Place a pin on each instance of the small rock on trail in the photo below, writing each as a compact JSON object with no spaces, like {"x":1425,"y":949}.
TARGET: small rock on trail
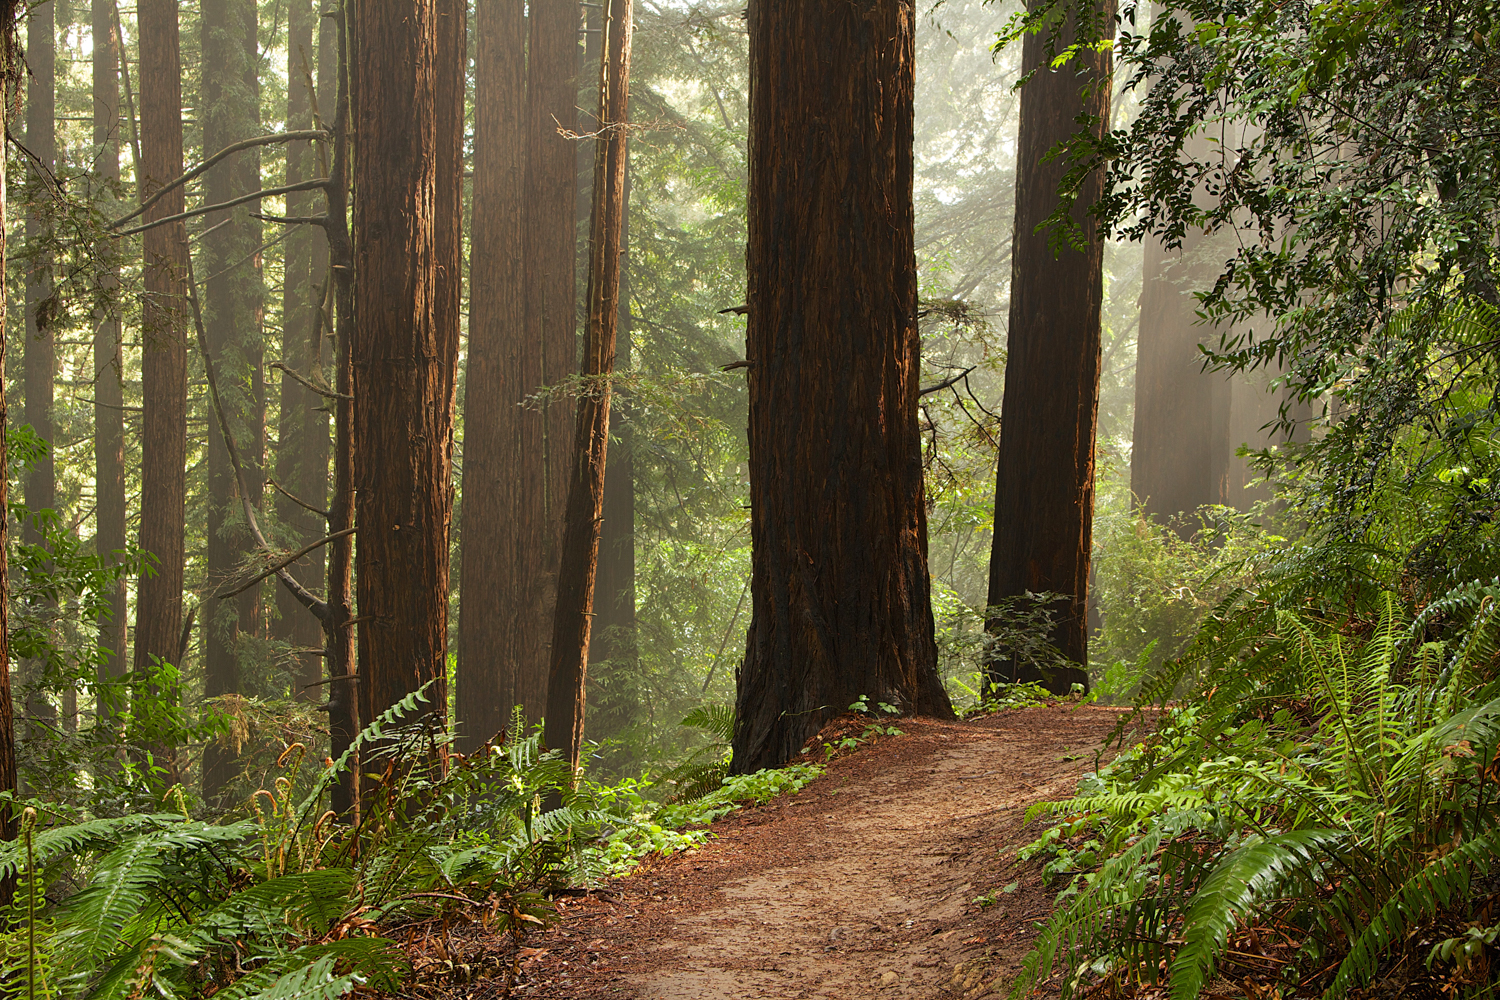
{"x":864,"y":884}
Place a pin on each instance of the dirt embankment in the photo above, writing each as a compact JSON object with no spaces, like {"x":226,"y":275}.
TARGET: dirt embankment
{"x":864,"y":884}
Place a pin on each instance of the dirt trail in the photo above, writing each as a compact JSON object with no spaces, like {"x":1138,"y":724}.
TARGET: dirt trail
{"x":862,"y":884}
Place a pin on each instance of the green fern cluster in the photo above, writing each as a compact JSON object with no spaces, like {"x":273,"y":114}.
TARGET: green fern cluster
{"x":1336,"y":776}
{"x":289,"y":903}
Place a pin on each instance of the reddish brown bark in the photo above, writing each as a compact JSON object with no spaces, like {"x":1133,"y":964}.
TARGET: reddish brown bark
{"x":839,"y":582}
{"x":550,"y":259}
{"x":164,"y":345}
{"x":1044,"y":497}
{"x":568,"y":678}
{"x":403,"y":357}
{"x":109,"y":389}
{"x":501,"y":561}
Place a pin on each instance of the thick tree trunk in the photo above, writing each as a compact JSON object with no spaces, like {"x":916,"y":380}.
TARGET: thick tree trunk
{"x":568,"y":679}
{"x":164,"y":346}
{"x":230,"y":97}
{"x":109,"y":360}
{"x":403,"y":356}
{"x":839,"y":587}
{"x":38,"y":352}
{"x":550,"y":258}
{"x":302,"y":435}
{"x":1044,"y":497}
{"x":498,"y":593}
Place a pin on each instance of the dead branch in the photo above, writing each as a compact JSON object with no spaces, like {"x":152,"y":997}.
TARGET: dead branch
{"x":945,"y":383}
{"x":308,"y":383}
{"x":316,"y":184}
{"x":283,"y":564}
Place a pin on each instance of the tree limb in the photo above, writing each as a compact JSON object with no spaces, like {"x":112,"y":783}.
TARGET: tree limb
{"x":232,"y":148}
{"x":320,"y":390}
{"x":316,"y":184}
{"x":294,"y":498}
{"x":283,"y":564}
{"x":945,"y":383}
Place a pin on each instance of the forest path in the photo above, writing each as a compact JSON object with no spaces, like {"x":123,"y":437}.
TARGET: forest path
{"x":863,"y":884}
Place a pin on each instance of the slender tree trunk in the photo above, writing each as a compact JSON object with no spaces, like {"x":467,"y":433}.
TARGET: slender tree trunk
{"x":839,"y":585}
{"x":550,"y":254}
{"x":164,"y":348}
{"x":613,"y":636}
{"x":1044,"y":497}
{"x":402,"y":357}
{"x":10,"y":75}
{"x":109,"y":360}
{"x":302,"y":435}
{"x":38,"y":355}
{"x":230,"y":98}
{"x":499,"y":605}
{"x":343,"y":716}
{"x":568,"y":679}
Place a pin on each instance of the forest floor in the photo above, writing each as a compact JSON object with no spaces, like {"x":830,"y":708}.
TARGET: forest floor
{"x":866,"y":883}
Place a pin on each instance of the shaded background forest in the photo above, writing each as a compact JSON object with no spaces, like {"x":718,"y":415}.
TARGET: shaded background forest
{"x":676,"y":548}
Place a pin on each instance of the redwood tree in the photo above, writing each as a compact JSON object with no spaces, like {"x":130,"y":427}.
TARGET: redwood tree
{"x":404,"y":350}
{"x":9,"y":73}
{"x":230,"y":96}
{"x":500,"y":607}
{"x":566,"y":687}
{"x":164,"y":345}
{"x":109,"y":361}
{"x":839,"y":582}
{"x":1044,"y":494}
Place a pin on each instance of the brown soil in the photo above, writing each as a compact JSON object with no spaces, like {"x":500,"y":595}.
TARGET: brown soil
{"x":863,"y":884}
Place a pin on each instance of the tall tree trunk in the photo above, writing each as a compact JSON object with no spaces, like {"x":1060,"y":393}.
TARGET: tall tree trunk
{"x":838,"y":525}
{"x":230,"y":99}
{"x":38,"y":354}
{"x":568,"y":678}
{"x":109,"y":360}
{"x":10,"y":73}
{"x":164,"y":349}
{"x":499,"y":600}
{"x":403,"y":358}
{"x":550,"y":255}
{"x":302,"y":436}
{"x":1180,"y":452}
{"x":1044,"y":497}
{"x":613,"y":636}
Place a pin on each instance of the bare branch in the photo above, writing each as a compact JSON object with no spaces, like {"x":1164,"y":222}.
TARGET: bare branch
{"x":316,"y":184}
{"x":945,"y":383}
{"x":320,"y":390}
{"x":232,"y":148}
{"x":283,"y":563}
{"x":294,"y":498}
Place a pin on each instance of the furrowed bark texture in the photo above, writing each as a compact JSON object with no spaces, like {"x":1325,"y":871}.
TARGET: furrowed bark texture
{"x":1044,"y":497}
{"x":500,"y":605}
{"x":839,"y":581}
{"x":231,"y":297}
{"x":550,"y":259}
{"x":109,"y":361}
{"x":403,"y":360}
{"x":302,"y":434}
{"x":567,"y":684}
{"x":164,"y":343}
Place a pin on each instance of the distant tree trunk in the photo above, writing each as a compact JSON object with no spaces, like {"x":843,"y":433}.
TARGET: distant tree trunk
{"x":499,"y":600}
{"x":839,"y":529}
{"x":109,"y":360}
{"x":613,"y":635}
{"x":403,"y":358}
{"x":1180,"y":452}
{"x":39,"y":360}
{"x":10,"y":73}
{"x":302,"y":435}
{"x":230,"y":98}
{"x":1044,"y":497}
{"x":164,"y":347}
{"x":567,"y":683}
{"x":550,"y":258}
